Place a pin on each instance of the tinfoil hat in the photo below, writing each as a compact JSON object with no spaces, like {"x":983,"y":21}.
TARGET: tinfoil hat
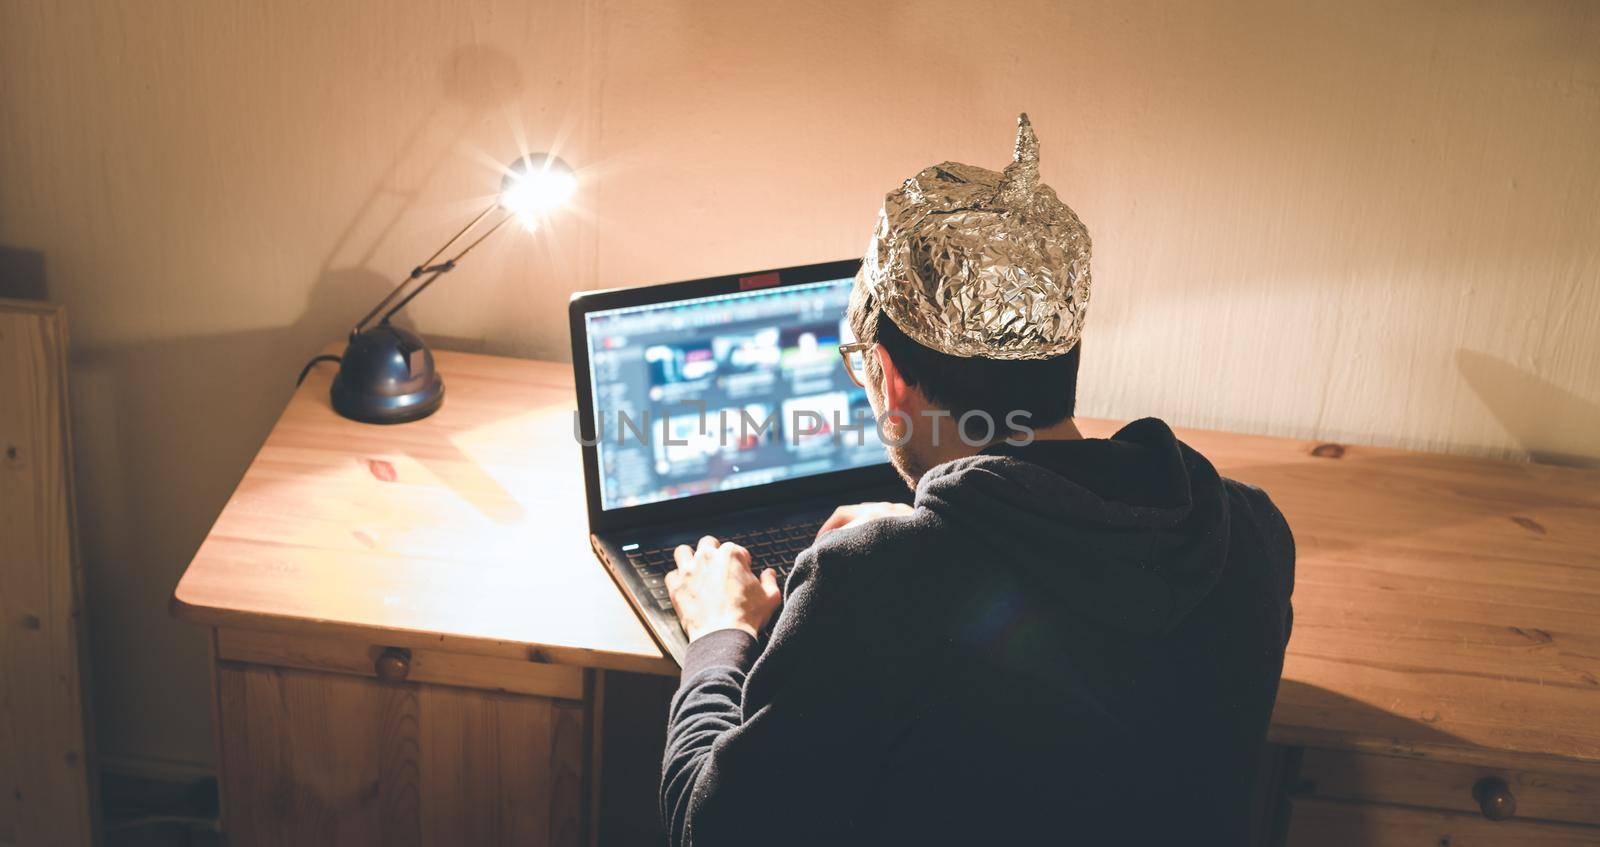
{"x":970,"y":262}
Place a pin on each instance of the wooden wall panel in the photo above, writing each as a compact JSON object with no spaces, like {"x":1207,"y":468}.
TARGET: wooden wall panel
{"x":46,"y":793}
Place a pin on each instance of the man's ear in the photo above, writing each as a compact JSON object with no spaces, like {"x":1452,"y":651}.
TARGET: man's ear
{"x":896,"y":393}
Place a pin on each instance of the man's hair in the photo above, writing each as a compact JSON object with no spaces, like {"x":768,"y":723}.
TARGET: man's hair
{"x":1047,"y":389}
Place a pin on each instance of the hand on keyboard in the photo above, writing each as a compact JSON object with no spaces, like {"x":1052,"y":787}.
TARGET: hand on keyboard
{"x":851,"y":515}
{"x":773,"y":547}
{"x":714,"y":589}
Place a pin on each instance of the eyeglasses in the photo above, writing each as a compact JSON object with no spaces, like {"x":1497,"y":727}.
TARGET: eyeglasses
{"x":855,"y":360}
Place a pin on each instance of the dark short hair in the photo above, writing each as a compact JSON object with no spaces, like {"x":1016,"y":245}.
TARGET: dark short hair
{"x":1047,"y":389}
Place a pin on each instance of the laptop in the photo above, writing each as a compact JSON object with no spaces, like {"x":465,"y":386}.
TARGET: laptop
{"x":719,"y":407}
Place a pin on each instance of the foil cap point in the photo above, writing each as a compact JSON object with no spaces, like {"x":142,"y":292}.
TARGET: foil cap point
{"x":1021,"y":177}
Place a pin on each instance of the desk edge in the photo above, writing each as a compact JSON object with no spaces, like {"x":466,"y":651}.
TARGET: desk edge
{"x":658,"y":665}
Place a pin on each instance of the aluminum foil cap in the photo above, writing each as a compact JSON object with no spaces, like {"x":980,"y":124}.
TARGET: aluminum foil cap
{"x":971,"y":262}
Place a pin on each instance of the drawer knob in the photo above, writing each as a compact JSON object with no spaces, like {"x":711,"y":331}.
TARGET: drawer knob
{"x":393,"y":664}
{"x":1494,"y":798}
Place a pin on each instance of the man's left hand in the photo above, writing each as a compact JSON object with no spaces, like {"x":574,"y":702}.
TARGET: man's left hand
{"x":860,"y":513}
{"x":713,"y":589}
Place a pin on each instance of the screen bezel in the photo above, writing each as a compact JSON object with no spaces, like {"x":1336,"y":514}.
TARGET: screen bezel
{"x":582,"y":303}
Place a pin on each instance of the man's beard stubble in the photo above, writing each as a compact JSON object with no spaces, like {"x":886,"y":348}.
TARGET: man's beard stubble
{"x":908,"y":466}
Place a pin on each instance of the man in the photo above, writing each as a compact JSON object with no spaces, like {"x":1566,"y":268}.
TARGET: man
{"x":1066,"y":640}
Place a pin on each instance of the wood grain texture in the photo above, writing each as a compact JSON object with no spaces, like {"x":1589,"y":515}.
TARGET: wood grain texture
{"x":1330,"y":823}
{"x":400,"y":799}
{"x":571,"y":758}
{"x":492,"y":765}
{"x":324,"y":758}
{"x":305,"y":753}
{"x":464,"y":531}
{"x":46,"y":795}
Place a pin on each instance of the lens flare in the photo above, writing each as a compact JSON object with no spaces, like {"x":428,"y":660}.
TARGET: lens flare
{"x":536,"y":185}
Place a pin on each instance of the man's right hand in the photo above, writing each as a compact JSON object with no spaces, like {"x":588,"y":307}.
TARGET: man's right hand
{"x":713,"y":589}
{"x":851,"y":515}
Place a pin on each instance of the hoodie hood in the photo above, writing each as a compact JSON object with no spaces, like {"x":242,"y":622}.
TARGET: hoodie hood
{"x":1131,"y":531}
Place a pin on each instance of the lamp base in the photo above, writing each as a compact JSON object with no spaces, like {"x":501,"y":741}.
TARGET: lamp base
{"x":386,"y":376}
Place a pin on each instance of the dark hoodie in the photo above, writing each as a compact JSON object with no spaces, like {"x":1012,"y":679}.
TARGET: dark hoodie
{"x":1068,"y":642}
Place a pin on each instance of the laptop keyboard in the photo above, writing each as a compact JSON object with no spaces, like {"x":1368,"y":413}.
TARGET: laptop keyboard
{"x":775,"y":547}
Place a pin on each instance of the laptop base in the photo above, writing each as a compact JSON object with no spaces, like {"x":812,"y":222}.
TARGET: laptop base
{"x":622,"y":551}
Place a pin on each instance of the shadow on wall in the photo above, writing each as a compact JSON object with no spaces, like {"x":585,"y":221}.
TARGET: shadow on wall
{"x":475,"y":79}
{"x":22,"y":275}
{"x":192,"y":410}
{"x":165,"y":427}
{"x":1553,"y":425}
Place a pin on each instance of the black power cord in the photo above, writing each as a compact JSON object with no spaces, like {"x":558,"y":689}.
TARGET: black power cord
{"x":326,"y":357}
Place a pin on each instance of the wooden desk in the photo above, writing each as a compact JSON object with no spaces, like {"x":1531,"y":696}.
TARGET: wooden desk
{"x":460,"y":540}
{"x":1447,"y":628}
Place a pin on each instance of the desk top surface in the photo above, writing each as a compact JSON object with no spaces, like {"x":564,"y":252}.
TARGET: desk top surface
{"x":1443,"y":605}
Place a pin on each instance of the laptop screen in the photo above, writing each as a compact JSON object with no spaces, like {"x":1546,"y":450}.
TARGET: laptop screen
{"x":725,"y":392}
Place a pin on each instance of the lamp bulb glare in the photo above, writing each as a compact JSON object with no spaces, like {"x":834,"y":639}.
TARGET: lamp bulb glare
{"x":535,"y":185}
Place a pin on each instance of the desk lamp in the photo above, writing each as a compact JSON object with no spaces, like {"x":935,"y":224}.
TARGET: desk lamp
{"x":386,"y":374}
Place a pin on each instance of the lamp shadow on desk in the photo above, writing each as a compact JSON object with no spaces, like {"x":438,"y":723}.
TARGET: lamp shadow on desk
{"x":1311,"y":715}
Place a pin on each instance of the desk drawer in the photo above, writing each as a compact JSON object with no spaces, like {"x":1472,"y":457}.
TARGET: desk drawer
{"x":1564,"y":793}
{"x":1335,"y":823}
{"x":315,"y":758}
{"x":419,"y":665}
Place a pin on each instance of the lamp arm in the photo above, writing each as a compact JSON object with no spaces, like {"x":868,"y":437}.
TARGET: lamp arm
{"x":440,"y":269}
{"x":427,"y":266}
